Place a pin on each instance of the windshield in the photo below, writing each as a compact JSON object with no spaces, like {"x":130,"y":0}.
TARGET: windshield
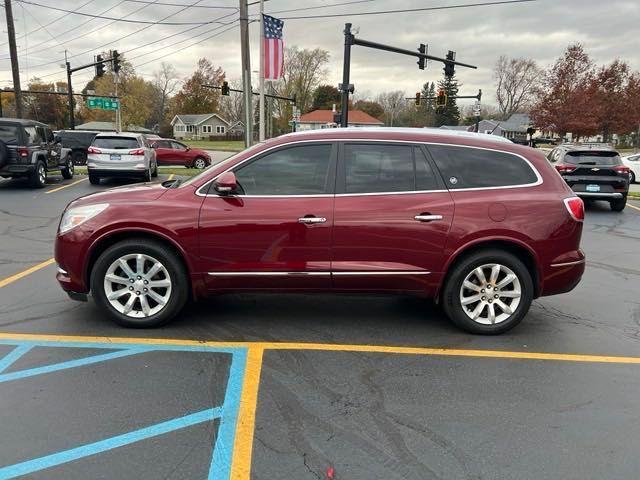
{"x":9,"y":134}
{"x":116,"y":143}
{"x":226,"y":161}
{"x":609,"y":158}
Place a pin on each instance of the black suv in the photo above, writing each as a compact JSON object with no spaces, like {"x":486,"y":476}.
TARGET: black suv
{"x":593,"y":172}
{"x":29,"y":149}
{"x":78,"y":141}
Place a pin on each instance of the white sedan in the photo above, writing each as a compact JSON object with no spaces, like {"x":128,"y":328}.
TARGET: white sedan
{"x":633,"y":162}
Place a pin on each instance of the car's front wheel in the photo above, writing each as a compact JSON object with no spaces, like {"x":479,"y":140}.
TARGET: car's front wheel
{"x":488,"y":292}
{"x":141,"y":283}
{"x":200,"y":163}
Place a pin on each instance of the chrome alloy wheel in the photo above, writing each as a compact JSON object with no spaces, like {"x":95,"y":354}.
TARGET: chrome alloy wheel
{"x":42,"y":174}
{"x":490,"y":294}
{"x":137,"y":285}
{"x":200,"y":163}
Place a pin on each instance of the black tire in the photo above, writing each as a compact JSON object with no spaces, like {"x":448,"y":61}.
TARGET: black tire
{"x":38,"y":178}
{"x":146,"y":177}
{"x":154,"y":172}
{"x":199,"y":163}
{"x":177,"y":273}
{"x":4,"y":153}
{"x":632,"y":177}
{"x":619,"y":204}
{"x":451,"y":293}
{"x":68,"y":171}
{"x":94,"y":180}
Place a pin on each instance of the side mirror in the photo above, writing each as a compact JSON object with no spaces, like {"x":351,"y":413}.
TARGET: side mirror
{"x":226,"y":183}
{"x":188,"y":148}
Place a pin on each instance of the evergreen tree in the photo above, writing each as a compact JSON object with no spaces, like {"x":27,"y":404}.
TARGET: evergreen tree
{"x":450,"y":114}
{"x":427,"y":110}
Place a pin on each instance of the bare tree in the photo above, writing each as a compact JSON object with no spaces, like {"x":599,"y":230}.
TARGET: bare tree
{"x":393,"y":104}
{"x":165,"y":81}
{"x":516,"y":83}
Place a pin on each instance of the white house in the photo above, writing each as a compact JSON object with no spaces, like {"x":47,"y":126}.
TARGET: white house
{"x":203,"y":126}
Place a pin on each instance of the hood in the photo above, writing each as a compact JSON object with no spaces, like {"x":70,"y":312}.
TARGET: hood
{"x":142,"y":192}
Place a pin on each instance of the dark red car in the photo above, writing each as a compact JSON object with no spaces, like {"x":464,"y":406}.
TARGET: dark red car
{"x":172,"y":152}
{"x":481,"y":225}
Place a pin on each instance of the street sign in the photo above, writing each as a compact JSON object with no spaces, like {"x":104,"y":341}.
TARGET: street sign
{"x":476,"y":109}
{"x":102,"y":103}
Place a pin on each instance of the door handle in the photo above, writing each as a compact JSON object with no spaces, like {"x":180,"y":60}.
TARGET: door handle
{"x":427,"y":217}
{"x":311,"y":220}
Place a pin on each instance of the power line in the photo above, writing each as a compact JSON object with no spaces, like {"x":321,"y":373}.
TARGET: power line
{"x":408,"y":10}
{"x":321,"y":6}
{"x":122,"y":19}
{"x":184,"y":5}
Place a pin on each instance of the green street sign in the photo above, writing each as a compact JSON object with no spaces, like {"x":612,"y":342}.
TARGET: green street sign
{"x":101,"y":103}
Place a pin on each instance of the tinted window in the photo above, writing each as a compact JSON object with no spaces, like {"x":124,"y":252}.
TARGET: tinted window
{"x":464,"y":167}
{"x":162,"y":144}
{"x":425,"y":179}
{"x":178,"y":146}
{"x":378,"y":168}
{"x":593,"y":158}
{"x":76,"y":139}
{"x":118,"y":143}
{"x":9,"y":134}
{"x":299,"y":170}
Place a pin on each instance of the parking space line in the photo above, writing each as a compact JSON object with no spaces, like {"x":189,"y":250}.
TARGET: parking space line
{"x":243,"y":445}
{"x":6,"y":377}
{"x":13,"y":355}
{"x":171,"y":176}
{"x":633,"y":206}
{"x":24,"y":273}
{"x":54,"y":190}
{"x":48,"y":461}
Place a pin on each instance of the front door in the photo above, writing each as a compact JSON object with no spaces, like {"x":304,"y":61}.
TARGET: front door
{"x":275,"y":231}
{"x":181,"y":153}
{"x":391,"y":220}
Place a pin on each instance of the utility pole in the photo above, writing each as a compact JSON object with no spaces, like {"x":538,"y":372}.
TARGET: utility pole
{"x":262,"y":105}
{"x":246,"y":73}
{"x":13,"y":53}
{"x":346,"y":70}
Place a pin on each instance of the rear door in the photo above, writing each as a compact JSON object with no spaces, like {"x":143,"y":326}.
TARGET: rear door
{"x":164,"y":153}
{"x":391,"y":221}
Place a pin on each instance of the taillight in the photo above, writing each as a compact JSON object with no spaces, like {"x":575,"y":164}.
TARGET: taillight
{"x":23,"y":152}
{"x":622,"y":169}
{"x":563,"y":168}
{"x":93,"y":150}
{"x":138,"y":151}
{"x":575,"y":206}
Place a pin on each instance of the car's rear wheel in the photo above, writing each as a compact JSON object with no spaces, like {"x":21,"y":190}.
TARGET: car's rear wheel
{"x":632,"y":177}
{"x":67,"y":172}
{"x":147,"y":175}
{"x":141,"y":283}
{"x":618,"y":204}
{"x":488,"y":292}
{"x":200,"y":163}
{"x":38,"y":178}
{"x":94,"y":179}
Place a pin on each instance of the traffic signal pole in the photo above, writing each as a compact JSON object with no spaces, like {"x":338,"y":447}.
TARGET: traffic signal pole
{"x":246,"y":72}
{"x":350,"y":40}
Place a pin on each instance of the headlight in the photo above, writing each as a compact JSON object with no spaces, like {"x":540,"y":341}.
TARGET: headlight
{"x":78,"y":215}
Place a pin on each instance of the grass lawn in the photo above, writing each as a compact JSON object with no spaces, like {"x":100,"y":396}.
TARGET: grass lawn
{"x":183,"y":172}
{"x":223,"y":146}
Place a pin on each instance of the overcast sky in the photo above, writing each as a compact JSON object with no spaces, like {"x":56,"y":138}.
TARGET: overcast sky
{"x":540,"y":30}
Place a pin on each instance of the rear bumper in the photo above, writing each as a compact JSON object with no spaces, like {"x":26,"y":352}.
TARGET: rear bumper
{"x":16,"y":169}
{"x":563,"y":274}
{"x":123,"y":173}
{"x":600,"y":195}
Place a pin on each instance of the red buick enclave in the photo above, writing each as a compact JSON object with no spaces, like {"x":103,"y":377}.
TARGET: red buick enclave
{"x":478,"y":223}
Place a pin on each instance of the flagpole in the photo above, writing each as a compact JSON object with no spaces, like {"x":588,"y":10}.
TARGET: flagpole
{"x":261,"y":130}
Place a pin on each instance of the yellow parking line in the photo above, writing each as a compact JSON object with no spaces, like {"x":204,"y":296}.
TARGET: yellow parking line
{"x":452,"y":352}
{"x":243,"y":444}
{"x":53,"y":190}
{"x":24,"y":273}
{"x":633,"y":206}
{"x":171,"y":176}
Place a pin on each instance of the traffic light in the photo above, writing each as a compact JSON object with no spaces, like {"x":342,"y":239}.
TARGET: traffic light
{"x":441,"y":99}
{"x":449,"y":66}
{"x":225,"y":88}
{"x":115,"y":58}
{"x":417,"y":98}
{"x":422,"y":61}
{"x":99,"y":66}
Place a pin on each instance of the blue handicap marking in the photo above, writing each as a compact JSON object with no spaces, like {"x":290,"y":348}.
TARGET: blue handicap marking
{"x":227,"y":413}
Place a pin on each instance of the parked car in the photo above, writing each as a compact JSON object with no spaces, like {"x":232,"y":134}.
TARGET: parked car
{"x":172,"y":152}
{"x":483,"y":226}
{"x":78,"y":141}
{"x":633,"y":163}
{"x":593,"y":171}
{"x":121,"y":155}
{"x":29,"y":149}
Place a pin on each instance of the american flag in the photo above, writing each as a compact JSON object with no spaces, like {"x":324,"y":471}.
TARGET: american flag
{"x":273,"y":48}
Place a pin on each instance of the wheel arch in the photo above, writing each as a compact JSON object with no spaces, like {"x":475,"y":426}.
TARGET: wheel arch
{"x":517,"y":248}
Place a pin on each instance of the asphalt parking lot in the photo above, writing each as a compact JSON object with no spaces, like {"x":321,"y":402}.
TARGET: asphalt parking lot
{"x":311,"y":387}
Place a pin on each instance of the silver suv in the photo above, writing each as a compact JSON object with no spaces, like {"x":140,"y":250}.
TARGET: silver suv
{"x":121,"y":155}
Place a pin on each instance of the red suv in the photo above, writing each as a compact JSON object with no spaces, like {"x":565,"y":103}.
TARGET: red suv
{"x":481,"y":225}
{"x":172,"y":152}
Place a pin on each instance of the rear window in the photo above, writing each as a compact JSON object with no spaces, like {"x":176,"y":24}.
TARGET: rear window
{"x":9,"y":134}
{"x":116,"y":143}
{"x":76,"y":139}
{"x":467,"y":167}
{"x":593,"y":158}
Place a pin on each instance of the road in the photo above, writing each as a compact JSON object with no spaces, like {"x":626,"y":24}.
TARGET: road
{"x":290,"y":386}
